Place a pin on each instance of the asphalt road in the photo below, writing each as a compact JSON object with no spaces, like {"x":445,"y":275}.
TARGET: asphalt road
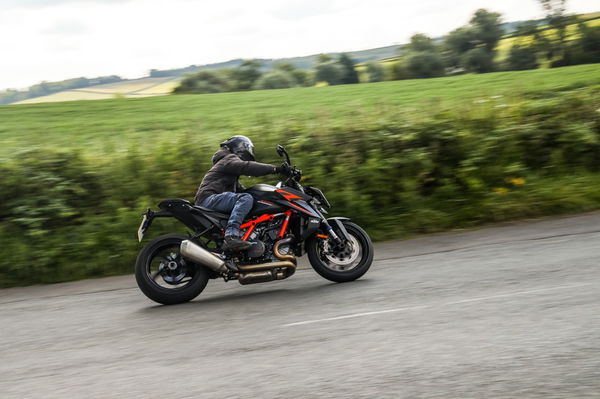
{"x":504,"y":312}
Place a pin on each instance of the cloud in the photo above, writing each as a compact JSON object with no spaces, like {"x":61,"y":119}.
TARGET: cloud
{"x":60,"y":39}
{"x":302,"y":9}
{"x":66,"y":28}
{"x":8,"y":4}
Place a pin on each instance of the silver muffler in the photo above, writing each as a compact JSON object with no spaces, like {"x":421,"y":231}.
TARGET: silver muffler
{"x":201,"y":256}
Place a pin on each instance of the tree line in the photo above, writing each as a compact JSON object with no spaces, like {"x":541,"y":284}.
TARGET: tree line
{"x":472,"y":48}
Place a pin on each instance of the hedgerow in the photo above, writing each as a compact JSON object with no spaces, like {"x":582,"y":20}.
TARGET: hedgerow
{"x":67,"y":214}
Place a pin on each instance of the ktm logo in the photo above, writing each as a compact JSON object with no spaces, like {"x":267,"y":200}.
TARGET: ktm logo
{"x":288,"y":196}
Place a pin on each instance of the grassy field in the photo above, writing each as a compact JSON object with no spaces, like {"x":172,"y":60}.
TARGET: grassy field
{"x":145,"y":87}
{"x":104,"y":126}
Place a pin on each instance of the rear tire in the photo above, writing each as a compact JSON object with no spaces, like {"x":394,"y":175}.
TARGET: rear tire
{"x":347,"y":267}
{"x":194,"y":282}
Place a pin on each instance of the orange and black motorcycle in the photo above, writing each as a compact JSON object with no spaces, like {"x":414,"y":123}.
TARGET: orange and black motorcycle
{"x":287,"y":221}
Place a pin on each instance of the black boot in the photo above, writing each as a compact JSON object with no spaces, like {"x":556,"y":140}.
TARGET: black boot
{"x":235,"y":244}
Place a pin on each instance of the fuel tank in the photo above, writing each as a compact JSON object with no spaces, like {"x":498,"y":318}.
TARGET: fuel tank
{"x":265,"y":196}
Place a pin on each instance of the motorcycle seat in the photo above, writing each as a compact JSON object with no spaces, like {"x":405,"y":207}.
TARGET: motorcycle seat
{"x":178,"y":202}
{"x":211,"y":212}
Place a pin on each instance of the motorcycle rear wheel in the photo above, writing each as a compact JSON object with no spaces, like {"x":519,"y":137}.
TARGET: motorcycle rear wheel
{"x":164,"y":276}
{"x":346,"y":265}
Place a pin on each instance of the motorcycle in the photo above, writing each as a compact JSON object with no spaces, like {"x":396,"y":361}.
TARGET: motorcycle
{"x":286,"y":221}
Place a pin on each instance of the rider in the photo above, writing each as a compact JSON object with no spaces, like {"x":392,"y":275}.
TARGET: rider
{"x":220,"y":189}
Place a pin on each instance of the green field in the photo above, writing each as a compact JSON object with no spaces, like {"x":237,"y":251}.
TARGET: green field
{"x":399,"y":158}
{"x":104,"y":126}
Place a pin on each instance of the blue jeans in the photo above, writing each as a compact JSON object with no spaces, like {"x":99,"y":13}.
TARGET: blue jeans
{"x":239,"y":204}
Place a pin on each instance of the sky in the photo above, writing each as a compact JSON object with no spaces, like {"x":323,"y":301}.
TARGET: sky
{"x":59,"y":39}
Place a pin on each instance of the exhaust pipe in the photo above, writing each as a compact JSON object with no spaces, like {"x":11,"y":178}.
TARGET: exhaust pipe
{"x":199,"y":255}
{"x":263,"y":272}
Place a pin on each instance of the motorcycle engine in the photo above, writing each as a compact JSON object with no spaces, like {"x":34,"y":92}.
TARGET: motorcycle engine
{"x":263,"y":238}
{"x":257,"y":250}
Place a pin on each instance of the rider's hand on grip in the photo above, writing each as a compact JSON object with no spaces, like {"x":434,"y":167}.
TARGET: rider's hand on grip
{"x":285,"y":169}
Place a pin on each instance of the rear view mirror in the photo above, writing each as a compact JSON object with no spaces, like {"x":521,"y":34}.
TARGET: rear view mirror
{"x":280,"y":150}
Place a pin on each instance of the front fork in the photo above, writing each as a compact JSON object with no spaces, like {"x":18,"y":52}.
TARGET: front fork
{"x":339,"y":239}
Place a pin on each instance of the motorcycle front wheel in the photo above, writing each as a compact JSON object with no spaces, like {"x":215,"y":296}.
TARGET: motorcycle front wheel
{"x":164,"y":276}
{"x":342,"y":264}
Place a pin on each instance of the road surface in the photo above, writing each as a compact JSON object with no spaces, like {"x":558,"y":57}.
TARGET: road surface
{"x":503,"y":312}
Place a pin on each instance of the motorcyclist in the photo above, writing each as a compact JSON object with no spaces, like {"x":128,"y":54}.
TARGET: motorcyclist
{"x":220,"y":188}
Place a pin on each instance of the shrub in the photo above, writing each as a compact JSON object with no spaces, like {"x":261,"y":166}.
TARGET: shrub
{"x":202,"y":82}
{"x":275,"y":80}
{"x":66,"y":216}
{"x":330,"y":72}
{"x":478,"y":60}
{"x":522,"y":58}
{"x":426,"y":65}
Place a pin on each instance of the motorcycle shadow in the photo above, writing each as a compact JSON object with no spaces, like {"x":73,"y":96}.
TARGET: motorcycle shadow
{"x":283,"y":296}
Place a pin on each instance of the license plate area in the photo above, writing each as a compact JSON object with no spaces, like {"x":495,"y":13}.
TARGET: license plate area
{"x":143,"y":227}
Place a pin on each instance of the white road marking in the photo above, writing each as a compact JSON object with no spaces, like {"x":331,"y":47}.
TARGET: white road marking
{"x":419,"y":307}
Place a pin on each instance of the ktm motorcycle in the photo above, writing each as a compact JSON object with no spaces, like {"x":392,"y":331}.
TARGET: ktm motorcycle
{"x":286,"y":221}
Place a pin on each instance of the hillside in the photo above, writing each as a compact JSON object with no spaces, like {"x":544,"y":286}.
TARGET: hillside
{"x":161,"y":82}
{"x":98,"y":125}
{"x":144,"y":87}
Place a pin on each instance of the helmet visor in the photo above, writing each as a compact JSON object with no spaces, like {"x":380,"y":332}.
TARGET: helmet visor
{"x":246,"y":151}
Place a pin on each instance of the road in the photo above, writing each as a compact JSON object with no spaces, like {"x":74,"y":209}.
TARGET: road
{"x":510,"y":311}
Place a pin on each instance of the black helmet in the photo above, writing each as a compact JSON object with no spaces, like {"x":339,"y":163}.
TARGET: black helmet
{"x":241,"y":146}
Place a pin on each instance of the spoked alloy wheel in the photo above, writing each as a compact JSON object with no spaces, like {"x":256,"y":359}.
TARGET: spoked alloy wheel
{"x":164,"y":276}
{"x":343,"y":259}
{"x":342,"y":264}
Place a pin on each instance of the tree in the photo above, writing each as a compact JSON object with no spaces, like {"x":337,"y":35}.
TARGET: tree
{"x":487,"y":28}
{"x":420,"y":42}
{"x":555,"y":13}
{"x":426,"y":65}
{"x":285,"y":67}
{"x":276,"y":79}
{"x":203,"y":82}
{"x":246,"y":74}
{"x":460,"y":40}
{"x":302,"y":77}
{"x":478,"y":60}
{"x":590,"y":42}
{"x":473,"y":46}
{"x":328,"y":70}
{"x":375,"y":71}
{"x":521,"y":58}
{"x":349,"y":75}
{"x":323,"y":58}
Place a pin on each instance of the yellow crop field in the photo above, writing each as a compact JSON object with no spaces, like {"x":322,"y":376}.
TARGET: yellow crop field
{"x":160,"y":88}
{"x":67,"y":95}
{"x":506,"y":43}
{"x":145,"y":87}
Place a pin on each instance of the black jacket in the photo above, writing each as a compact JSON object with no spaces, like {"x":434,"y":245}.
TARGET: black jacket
{"x":226,"y":170}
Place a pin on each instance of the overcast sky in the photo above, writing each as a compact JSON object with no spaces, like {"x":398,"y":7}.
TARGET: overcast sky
{"x":59,"y":39}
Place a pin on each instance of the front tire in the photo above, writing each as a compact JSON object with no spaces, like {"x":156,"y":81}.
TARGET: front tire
{"x":164,"y":276}
{"x":346,"y":265}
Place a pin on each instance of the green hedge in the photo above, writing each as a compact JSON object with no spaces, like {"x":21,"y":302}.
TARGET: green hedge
{"x":66,"y":214}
